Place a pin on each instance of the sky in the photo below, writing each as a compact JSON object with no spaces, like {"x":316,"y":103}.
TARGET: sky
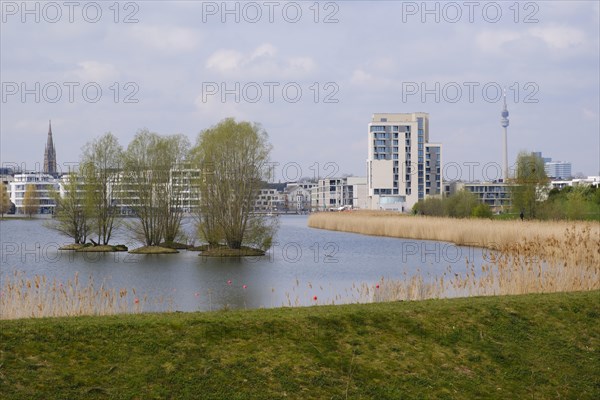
{"x":311,"y":73}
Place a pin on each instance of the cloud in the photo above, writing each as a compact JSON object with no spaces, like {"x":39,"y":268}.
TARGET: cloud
{"x":589,"y":114}
{"x":261,"y":61}
{"x":166,"y":38}
{"x":492,"y":41}
{"x":559,"y":37}
{"x":225,"y":61}
{"x":94,"y":71}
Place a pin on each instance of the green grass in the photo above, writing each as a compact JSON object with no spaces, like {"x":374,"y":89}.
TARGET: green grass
{"x":513,"y":347}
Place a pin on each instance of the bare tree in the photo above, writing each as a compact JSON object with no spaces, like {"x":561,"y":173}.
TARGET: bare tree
{"x":101,"y":164}
{"x":233,"y":158}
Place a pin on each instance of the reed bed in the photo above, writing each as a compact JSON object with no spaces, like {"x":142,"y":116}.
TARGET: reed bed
{"x":464,"y":232}
{"x":22,"y":297}
{"x":523,"y":257}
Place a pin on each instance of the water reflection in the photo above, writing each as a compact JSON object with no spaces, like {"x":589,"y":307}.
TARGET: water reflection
{"x":334,"y":266}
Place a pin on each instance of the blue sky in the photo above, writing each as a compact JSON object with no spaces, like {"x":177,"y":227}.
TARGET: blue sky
{"x":311,"y":73}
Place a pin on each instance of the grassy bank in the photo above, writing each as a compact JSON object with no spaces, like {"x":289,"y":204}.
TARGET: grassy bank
{"x":534,"y":346}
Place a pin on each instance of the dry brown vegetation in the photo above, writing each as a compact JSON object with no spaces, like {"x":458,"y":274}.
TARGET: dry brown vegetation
{"x":468,"y":232}
{"x":22,"y":297}
{"x":523,"y":257}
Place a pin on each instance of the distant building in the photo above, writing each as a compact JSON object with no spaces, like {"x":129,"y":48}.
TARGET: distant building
{"x":271,"y":198}
{"x":495,"y":194}
{"x":299,"y":196}
{"x":44,"y":186}
{"x":402,"y":166}
{"x":558,"y":169}
{"x":335,"y":193}
{"x":555,"y":169}
{"x":589,"y":181}
{"x":50,"y":155}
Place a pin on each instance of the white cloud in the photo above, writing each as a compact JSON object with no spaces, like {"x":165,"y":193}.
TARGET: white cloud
{"x":166,"y":38}
{"x":589,"y":114}
{"x":559,"y":37}
{"x":94,"y":71}
{"x":360,"y":77}
{"x":262,"y":61}
{"x":492,"y":41}
{"x":225,"y":60}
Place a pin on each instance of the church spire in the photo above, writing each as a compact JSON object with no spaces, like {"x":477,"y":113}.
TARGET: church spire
{"x":50,"y":154}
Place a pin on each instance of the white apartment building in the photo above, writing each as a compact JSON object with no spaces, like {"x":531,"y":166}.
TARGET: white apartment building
{"x":299,"y":196}
{"x":335,"y":193}
{"x":44,"y":186}
{"x":589,"y":181}
{"x":402,"y":166}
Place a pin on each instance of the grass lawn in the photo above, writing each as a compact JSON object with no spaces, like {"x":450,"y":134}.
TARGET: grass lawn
{"x":512,"y":347}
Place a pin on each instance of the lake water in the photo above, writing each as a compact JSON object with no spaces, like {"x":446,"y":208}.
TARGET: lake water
{"x":335,"y":267}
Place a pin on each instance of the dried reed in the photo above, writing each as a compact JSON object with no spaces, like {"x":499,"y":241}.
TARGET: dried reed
{"x":22,"y":297}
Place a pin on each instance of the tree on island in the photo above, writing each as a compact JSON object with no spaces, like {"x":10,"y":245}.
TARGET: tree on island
{"x":100,"y":168}
{"x":5,"y":203}
{"x":31,"y":201}
{"x":529,"y":184}
{"x":72,"y":213}
{"x":148,"y":164}
{"x":233,"y":161}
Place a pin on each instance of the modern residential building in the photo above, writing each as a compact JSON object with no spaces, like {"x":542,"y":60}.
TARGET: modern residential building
{"x":299,"y":196}
{"x":336,"y":193}
{"x":403,"y":167}
{"x":494,"y":194}
{"x":43,"y":185}
{"x":271,"y":198}
{"x":590,"y":181}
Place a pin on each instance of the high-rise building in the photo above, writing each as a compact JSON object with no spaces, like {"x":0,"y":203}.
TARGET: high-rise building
{"x":558,"y":169}
{"x":402,"y":166}
{"x":555,"y":169}
{"x":50,"y":154}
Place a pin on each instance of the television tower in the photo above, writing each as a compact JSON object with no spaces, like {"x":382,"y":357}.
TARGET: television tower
{"x":504,"y":123}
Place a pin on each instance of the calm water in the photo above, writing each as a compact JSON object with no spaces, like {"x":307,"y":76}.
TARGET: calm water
{"x":304,"y":263}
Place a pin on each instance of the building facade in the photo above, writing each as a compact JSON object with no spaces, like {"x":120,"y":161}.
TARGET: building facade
{"x":44,"y":186}
{"x":339,"y":193}
{"x":495,"y":194}
{"x":402,"y":166}
{"x":558,"y":169}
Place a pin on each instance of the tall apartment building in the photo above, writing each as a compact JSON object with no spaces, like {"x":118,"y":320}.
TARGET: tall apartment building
{"x":402,"y":166}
